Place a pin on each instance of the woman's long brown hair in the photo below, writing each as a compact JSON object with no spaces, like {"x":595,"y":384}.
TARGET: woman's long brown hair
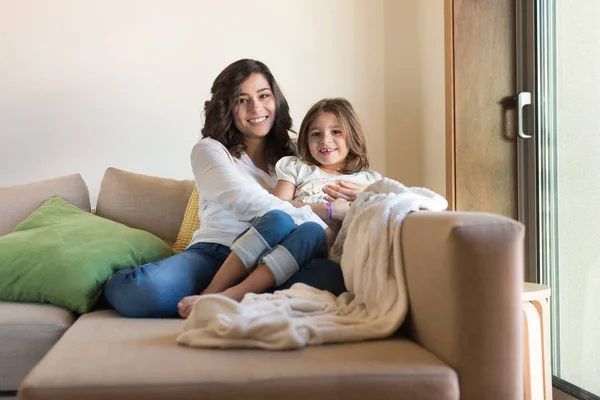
{"x":219,"y":114}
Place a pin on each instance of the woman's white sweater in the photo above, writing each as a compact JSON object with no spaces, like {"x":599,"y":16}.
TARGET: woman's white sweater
{"x":233,"y":192}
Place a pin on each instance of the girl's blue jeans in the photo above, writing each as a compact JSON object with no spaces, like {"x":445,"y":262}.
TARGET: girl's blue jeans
{"x":153,"y":290}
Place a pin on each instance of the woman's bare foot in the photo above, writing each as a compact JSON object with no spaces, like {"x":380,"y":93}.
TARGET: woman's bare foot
{"x":185,"y":305}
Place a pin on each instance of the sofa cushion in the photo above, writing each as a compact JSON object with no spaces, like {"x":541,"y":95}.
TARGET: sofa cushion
{"x":27,"y":332}
{"x":104,"y":356}
{"x":17,"y":202}
{"x":63,"y":255}
{"x":149,"y":203}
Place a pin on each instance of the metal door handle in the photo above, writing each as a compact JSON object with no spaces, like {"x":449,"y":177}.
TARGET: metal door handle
{"x":524,"y":100}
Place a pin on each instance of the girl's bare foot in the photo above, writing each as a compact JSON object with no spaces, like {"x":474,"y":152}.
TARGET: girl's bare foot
{"x":185,"y":305}
{"x":234,"y":293}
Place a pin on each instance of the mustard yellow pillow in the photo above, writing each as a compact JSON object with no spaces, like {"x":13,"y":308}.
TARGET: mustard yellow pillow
{"x":190,"y":223}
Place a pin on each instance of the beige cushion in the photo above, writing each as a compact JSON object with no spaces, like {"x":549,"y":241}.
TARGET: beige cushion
{"x":17,"y":202}
{"x":104,"y":356}
{"x":153,"y":204}
{"x":27,"y":332}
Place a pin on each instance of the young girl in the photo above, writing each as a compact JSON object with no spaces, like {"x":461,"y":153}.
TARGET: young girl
{"x":332,"y":146}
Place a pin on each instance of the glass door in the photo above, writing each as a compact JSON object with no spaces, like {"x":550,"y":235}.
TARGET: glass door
{"x":559,"y":177}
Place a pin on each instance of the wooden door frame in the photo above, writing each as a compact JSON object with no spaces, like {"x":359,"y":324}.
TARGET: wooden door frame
{"x":449,"y":78}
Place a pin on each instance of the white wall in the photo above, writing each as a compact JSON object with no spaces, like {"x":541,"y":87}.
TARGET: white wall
{"x":85,"y":85}
{"x":433,"y":102}
{"x":90,"y":84}
{"x":578,"y":90}
{"x":414,"y":95}
{"x":403,"y":92}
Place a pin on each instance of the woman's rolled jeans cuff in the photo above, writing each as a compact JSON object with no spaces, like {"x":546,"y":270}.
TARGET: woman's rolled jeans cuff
{"x":249,"y":247}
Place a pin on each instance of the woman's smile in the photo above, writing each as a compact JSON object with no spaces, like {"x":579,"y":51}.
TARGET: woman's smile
{"x":257,"y":121}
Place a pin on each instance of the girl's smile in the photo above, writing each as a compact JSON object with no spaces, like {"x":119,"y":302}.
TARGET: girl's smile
{"x":327,"y":142}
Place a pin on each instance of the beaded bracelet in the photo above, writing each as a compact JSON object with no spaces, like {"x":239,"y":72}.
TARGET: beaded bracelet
{"x":329,"y":213}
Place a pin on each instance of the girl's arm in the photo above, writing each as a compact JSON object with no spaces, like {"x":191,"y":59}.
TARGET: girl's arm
{"x":285,"y":191}
{"x":219,"y":180}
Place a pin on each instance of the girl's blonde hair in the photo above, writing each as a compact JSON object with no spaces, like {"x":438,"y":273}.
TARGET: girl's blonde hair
{"x":357,"y":159}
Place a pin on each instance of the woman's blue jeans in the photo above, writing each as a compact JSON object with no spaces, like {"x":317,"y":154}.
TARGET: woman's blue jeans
{"x":153,"y":290}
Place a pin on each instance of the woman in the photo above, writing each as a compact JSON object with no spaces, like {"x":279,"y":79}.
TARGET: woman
{"x":246,"y":132}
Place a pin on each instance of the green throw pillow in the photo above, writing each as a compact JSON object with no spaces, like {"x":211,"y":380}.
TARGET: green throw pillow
{"x":63,"y":255}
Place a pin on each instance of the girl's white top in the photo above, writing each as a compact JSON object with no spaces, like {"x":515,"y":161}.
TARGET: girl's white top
{"x":233,"y":192}
{"x":309,"y":179}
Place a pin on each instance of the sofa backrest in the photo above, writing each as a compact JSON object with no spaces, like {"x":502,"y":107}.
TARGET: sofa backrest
{"x":17,"y":202}
{"x":153,"y":204}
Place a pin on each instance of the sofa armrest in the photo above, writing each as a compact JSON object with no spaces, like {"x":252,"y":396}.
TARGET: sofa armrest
{"x":464,"y":274}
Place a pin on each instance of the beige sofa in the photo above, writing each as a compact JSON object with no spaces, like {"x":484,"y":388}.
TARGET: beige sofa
{"x":462,"y":338}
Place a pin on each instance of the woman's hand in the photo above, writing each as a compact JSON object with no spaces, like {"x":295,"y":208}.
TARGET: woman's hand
{"x":339,"y":209}
{"x":345,"y":190}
